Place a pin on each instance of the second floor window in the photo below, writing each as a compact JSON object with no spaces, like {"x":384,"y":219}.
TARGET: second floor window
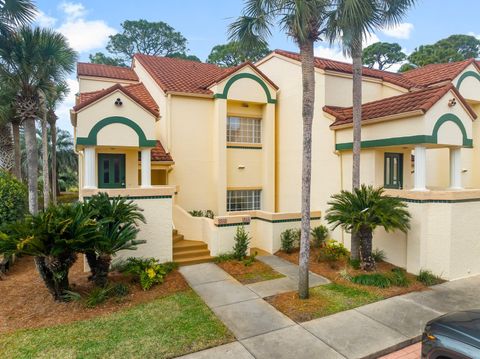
{"x":244,"y":130}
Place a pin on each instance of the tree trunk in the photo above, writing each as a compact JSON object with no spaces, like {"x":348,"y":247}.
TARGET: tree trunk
{"x":308,"y":100}
{"x":367,"y":261}
{"x":6,"y":147}
{"x":32,"y":164}
{"x":357,"y":132}
{"x":92,"y":263}
{"x":103,"y":266}
{"x":45,"y":274}
{"x":17,"y":169}
{"x":53,"y":134}
{"x":46,"y":175}
{"x":59,"y":267}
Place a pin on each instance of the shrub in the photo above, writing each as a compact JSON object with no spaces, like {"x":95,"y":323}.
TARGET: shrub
{"x":208,"y":213}
{"x":354,"y":263}
{"x":375,"y":279}
{"x":224,"y":257}
{"x":289,"y":240}
{"x":398,"y":277}
{"x":148,"y":271}
{"x":242,"y":240}
{"x":100,"y":295}
{"x":247,"y":262}
{"x":319,"y":235}
{"x":13,"y":198}
{"x":333,"y":251}
{"x":379,"y":255}
{"x":428,"y":278}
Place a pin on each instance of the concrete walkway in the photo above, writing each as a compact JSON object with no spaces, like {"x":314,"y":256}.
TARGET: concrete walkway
{"x":365,"y":332}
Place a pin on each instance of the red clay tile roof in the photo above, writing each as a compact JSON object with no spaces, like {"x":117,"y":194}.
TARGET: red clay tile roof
{"x":436,"y":73}
{"x":179,"y":75}
{"x":159,"y":153}
{"x":112,"y":72}
{"x":137,"y":92}
{"x":421,"y":100}
{"x":332,"y":65}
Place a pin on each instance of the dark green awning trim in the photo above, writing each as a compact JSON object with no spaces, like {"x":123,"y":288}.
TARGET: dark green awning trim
{"x":237,"y":77}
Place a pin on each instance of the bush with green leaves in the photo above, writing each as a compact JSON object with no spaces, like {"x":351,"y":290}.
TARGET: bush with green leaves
{"x":101,"y":294}
{"x":398,"y":277}
{"x":148,"y":271}
{"x":117,"y":220}
{"x":242,"y":241}
{"x":200,"y":213}
{"x":319,"y":235}
{"x":13,"y":198}
{"x":289,"y":239}
{"x":374,"y":279}
{"x":333,"y":251}
{"x":224,"y":257}
{"x":379,"y":255}
{"x":428,"y":278}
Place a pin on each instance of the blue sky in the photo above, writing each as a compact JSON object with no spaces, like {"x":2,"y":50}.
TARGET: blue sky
{"x":88,"y":23}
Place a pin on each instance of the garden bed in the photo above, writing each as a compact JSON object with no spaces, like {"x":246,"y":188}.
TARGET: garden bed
{"x":26,"y":303}
{"x":342,"y":294}
{"x":247,"y":274}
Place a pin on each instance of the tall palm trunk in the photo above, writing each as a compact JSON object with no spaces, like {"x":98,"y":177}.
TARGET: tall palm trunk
{"x":46,"y":175}
{"x":365,"y":236}
{"x":308,"y":81}
{"x":17,"y":153}
{"x":52,"y":119}
{"x":357,"y":132}
{"x":6,"y":147}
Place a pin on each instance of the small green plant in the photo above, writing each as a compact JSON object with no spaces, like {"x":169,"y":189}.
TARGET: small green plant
{"x":209,"y":214}
{"x":199,"y":213}
{"x":289,"y":240}
{"x":101,"y":294}
{"x":379,"y":255}
{"x":120,"y":290}
{"x":375,"y":279}
{"x":428,"y":278}
{"x":242,"y":240}
{"x":354,"y":263}
{"x":333,"y":251}
{"x":398,"y":277}
{"x":224,"y":257}
{"x":70,"y":296}
{"x":247,"y":262}
{"x":319,"y":235}
{"x":148,"y":271}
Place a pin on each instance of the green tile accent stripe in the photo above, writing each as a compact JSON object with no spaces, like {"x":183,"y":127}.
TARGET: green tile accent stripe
{"x":237,"y":77}
{"x":465,"y":75}
{"x":91,"y":140}
{"x":137,"y":197}
{"x":267,"y":220}
{"x":410,"y":200}
{"x":413,"y":140}
{"x":245,"y":147}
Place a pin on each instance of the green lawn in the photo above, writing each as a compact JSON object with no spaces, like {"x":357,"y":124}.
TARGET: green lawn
{"x":170,"y":326}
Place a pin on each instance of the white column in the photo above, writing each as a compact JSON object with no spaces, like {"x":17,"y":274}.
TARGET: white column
{"x":89,"y":167}
{"x":456,"y":168}
{"x":420,"y":175}
{"x":146,"y":168}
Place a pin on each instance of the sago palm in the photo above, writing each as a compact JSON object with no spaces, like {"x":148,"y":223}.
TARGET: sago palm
{"x":117,"y":220}
{"x":302,"y":20}
{"x":351,"y":22}
{"x":363,"y":210}
{"x":33,"y":61}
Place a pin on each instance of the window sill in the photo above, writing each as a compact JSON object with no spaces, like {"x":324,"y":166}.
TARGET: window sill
{"x":247,"y":146}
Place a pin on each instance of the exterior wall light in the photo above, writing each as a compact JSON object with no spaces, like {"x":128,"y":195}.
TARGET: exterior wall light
{"x":452,"y":102}
{"x":118,"y":102}
{"x":241,"y":167}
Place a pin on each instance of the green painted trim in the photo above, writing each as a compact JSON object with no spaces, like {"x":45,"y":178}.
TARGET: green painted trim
{"x":91,"y":140}
{"x":137,"y":197}
{"x":409,"y":200}
{"x":237,"y":77}
{"x":413,"y":140}
{"x":465,"y":75}
{"x":245,"y":147}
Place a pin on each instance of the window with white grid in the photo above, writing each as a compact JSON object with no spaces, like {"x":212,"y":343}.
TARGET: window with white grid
{"x":243,"y":200}
{"x":244,"y":130}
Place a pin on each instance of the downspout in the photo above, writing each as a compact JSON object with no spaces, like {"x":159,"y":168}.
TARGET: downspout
{"x":169,"y":126}
{"x":340,"y":157}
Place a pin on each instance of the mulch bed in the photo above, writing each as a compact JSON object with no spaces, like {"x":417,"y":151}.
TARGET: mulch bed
{"x":256,"y":272}
{"x":26,"y":303}
{"x":325,"y":269}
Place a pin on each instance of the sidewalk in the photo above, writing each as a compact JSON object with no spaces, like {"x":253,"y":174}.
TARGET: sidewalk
{"x":365,"y":332}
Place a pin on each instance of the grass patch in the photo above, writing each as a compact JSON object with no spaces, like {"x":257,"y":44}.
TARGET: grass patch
{"x":166,"y":327}
{"x":427,"y":278}
{"x":255,"y":271}
{"x":324,"y":300}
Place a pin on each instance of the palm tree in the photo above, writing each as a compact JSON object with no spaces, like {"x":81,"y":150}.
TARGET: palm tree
{"x":14,"y":13}
{"x":44,"y":134}
{"x":351,"y":22}
{"x":7,"y":160}
{"x":302,"y":20}
{"x":32,"y":61}
{"x":363,"y":210}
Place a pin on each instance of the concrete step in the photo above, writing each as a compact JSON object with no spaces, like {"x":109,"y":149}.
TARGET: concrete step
{"x":186,"y":245}
{"x":191,"y":254}
{"x":178,"y":238}
{"x":174,"y":231}
{"x":196,"y":260}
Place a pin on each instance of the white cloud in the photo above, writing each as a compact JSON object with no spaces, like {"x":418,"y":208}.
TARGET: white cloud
{"x":63,"y":110}
{"x":73,"y":10}
{"x":399,"y":31}
{"x":43,"y":20}
{"x":84,"y":35}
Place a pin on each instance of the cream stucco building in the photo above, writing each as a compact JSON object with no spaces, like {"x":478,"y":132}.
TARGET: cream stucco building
{"x":178,"y":136}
